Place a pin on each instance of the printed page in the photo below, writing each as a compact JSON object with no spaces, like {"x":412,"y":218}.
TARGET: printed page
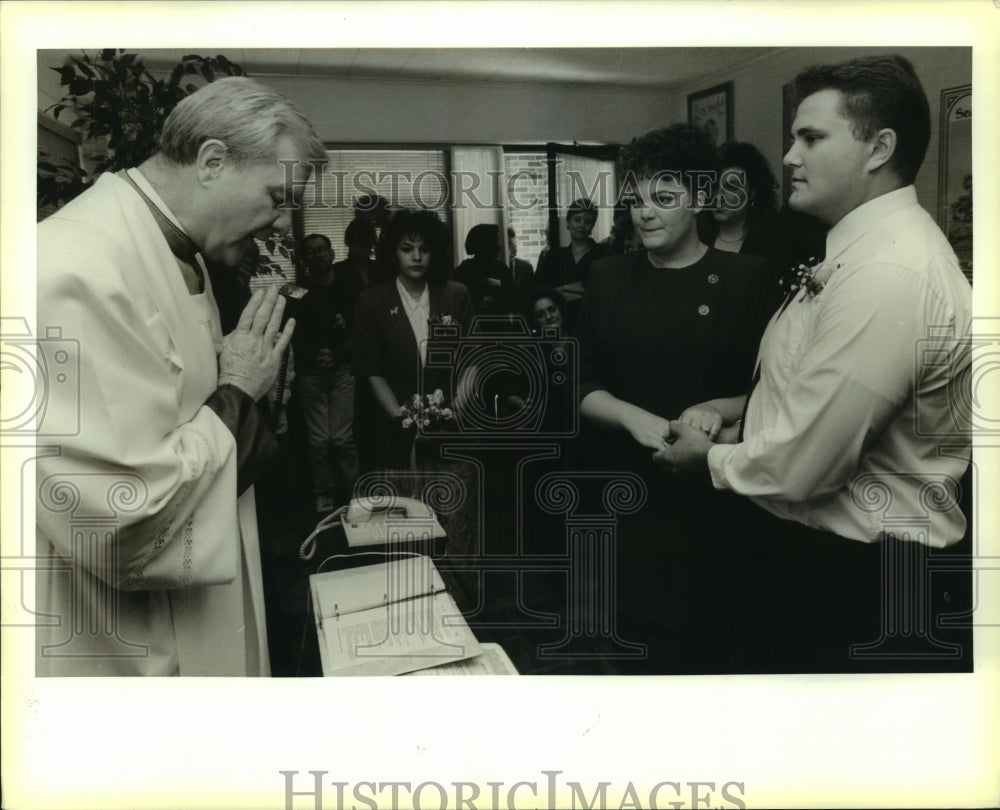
{"x":397,"y":638}
{"x":491,"y":661}
{"x":336,"y":593}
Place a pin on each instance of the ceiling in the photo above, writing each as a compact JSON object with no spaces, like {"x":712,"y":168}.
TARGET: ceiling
{"x":621,"y":67}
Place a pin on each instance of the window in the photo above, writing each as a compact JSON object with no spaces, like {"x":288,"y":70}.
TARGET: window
{"x":407,"y":178}
{"x":527,"y":201}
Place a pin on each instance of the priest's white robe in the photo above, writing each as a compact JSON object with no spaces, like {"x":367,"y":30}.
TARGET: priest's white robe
{"x":149,"y":564}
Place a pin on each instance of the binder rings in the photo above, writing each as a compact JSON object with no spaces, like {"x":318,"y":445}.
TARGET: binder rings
{"x":388,"y":619}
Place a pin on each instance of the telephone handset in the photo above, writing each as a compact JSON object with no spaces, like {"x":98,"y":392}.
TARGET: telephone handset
{"x":366,"y":522}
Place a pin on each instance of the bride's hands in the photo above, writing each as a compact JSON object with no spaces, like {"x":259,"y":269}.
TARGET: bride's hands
{"x":648,"y":429}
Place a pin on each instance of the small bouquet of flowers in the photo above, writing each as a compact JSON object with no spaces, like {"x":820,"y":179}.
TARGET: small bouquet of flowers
{"x":427,"y":412}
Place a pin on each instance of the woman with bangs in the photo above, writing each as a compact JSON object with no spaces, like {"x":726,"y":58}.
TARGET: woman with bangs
{"x":392,"y":328}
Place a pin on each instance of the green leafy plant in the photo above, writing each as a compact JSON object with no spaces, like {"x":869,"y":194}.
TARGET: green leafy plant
{"x":118,"y":106}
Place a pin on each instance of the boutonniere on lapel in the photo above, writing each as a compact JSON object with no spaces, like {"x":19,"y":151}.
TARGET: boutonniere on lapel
{"x":444,"y":320}
{"x":394,"y":311}
{"x":809,"y":277}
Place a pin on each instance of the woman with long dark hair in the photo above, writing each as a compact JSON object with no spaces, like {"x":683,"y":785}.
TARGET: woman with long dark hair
{"x":746,"y":218}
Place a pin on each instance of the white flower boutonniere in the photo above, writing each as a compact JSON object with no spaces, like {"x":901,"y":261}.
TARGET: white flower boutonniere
{"x":394,"y":311}
{"x":811,"y":278}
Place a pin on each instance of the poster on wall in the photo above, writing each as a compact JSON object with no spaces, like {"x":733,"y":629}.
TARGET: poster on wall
{"x":955,"y":173}
{"x":712,"y":110}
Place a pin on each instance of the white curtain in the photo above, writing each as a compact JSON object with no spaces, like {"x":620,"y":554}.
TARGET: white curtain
{"x":478,"y":194}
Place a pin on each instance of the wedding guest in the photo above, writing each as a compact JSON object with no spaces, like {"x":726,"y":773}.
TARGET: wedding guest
{"x":392,"y":326}
{"x":521,"y":272}
{"x":546,"y":309}
{"x":375,"y":208}
{"x":545,"y":315}
{"x":170,"y":439}
{"x":487,"y":279}
{"x":324,"y":382}
{"x":659,"y":331}
{"x":623,"y":238}
{"x":358,"y":267}
{"x":846,"y":403}
{"x":745,"y":217}
{"x":567,"y":268}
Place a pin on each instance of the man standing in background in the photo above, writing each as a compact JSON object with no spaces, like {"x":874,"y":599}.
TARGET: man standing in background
{"x":325,"y":384}
{"x":521,"y":271}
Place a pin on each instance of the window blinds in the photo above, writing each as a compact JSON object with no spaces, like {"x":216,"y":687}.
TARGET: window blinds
{"x":407,"y":178}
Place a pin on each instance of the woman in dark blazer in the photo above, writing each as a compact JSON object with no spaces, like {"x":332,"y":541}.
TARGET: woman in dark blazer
{"x":392,"y":326}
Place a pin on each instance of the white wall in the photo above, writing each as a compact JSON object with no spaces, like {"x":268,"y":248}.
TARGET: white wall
{"x":370,"y":111}
{"x":453,"y":112}
{"x":757,"y":97}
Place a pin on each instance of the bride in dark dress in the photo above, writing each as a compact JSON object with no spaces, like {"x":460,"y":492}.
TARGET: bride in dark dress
{"x":661,"y":330}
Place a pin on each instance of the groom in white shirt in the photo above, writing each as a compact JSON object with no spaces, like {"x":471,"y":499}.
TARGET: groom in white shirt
{"x":854,"y":424}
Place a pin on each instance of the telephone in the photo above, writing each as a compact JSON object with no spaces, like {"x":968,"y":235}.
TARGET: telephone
{"x":366,"y":522}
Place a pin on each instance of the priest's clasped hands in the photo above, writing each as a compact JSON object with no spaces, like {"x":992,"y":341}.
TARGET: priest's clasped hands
{"x":251,"y":353}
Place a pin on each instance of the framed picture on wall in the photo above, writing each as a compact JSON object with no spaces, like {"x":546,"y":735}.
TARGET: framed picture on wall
{"x":712,"y":110}
{"x":955,"y":173}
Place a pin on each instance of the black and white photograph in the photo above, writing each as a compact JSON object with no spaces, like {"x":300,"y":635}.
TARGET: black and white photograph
{"x":650,"y":379}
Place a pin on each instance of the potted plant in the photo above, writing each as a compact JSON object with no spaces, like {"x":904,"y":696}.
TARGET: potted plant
{"x":118,"y":107}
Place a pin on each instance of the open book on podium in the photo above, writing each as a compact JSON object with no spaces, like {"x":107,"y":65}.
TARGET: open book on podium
{"x":390,"y":618}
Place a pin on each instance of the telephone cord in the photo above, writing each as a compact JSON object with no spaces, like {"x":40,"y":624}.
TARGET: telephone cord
{"x":308,"y":547}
